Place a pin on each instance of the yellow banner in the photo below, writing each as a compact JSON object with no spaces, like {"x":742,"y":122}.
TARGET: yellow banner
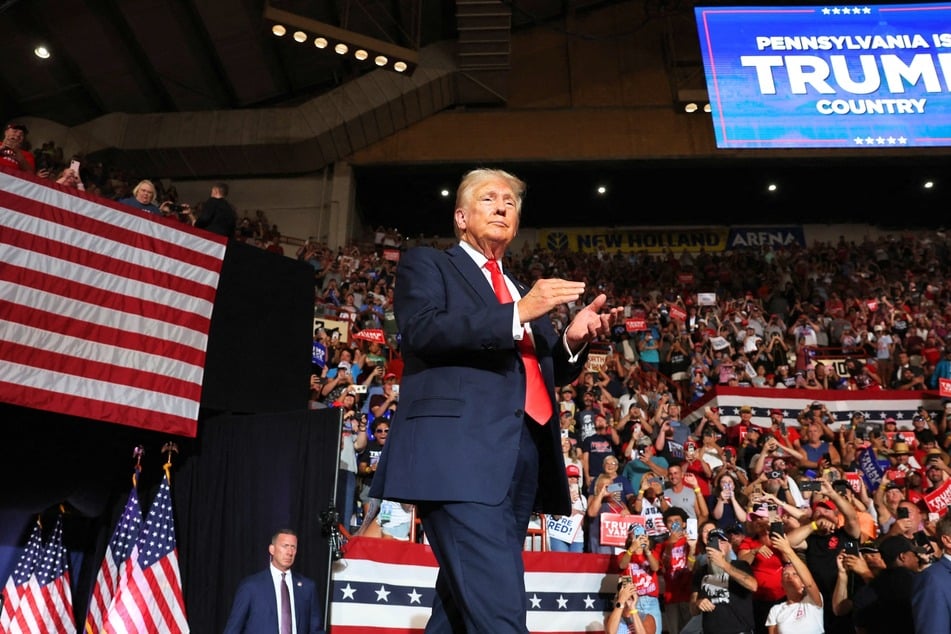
{"x":652,"y":241}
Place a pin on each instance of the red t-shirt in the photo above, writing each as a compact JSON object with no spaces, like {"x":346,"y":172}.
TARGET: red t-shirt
{"x":678,"y":576}
{"x":644,"y":579}
{"x":768,"y":572}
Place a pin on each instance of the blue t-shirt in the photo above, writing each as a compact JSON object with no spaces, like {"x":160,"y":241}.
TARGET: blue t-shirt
{"x":132,"y":202}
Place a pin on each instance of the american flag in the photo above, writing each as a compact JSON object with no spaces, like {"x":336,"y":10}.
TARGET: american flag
{"x":384,"y":586}
{"x":149,"y":597}
{"x":16,"y":585}
{"x":47,"y":604}
{"x":120,"y":548}
{"x":104,"y":310}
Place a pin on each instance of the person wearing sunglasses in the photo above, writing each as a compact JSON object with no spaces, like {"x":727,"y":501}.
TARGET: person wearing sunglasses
{"x":381,"y":518}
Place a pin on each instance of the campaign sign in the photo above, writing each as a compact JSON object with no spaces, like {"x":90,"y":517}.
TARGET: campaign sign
{"x":635,"y":325}
{"x":944,"y":388}
{"x":615,"y":527}
{"x":939,"y":499}
{"x":564,"y":528}
{"x":850,"y":76}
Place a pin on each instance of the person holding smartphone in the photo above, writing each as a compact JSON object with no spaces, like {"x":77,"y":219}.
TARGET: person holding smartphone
{"x":802,"y":609}
{"x":723,"y":589}
{"x":641,"y":563}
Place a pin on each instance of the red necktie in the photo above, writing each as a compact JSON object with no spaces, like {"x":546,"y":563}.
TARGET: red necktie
{"x":537,"y":401}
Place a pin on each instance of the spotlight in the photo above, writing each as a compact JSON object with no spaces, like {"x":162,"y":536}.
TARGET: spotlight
{"x":42,"y":52}
{"x":343,"y":41}
{"x":706,"y":107}
{"x":690,"y":107}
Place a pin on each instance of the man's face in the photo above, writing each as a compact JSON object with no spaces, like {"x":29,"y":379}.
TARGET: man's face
{"x":934,"y":474}
{"x":12,"y":137}
{"x":283,"y":551}
{"x":675,"y":475}
{"x":489,"y":216}
{"x":600,"y":424}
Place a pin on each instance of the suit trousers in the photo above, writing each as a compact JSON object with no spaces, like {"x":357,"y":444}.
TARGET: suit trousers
{"x":481,"y":582}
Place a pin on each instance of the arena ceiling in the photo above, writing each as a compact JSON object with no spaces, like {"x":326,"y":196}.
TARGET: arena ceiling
{"x":156,"y":56}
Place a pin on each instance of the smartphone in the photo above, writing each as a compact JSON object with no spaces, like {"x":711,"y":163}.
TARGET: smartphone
{"x":902,"y":513}
{"x":691,"y":530}
{"x":851,"y":547}
{"x":713,"y":541}
{"x":810,"y":485}
{"x":74,"y":165}
{"x":617,"y":487}
{"x":623,"y":580}
{"x":564,"y":433}
{"x":396,"y":388}
{"x":777,"y":527}
{"x":359,"y":389}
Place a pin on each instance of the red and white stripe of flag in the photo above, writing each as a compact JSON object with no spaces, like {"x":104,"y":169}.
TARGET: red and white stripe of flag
{"x":104,"y":310}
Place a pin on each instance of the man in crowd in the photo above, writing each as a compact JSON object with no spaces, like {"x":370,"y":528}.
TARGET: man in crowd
{"x":12,"y":153}
{"x":723,"y":589}
{"x":931,"y":590}
{"x":216,"y":214}
{"x":883,"y":606}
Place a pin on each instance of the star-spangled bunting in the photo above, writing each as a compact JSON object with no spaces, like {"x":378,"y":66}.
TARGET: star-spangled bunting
{"x":16,"y":585}
{"x":876,"y":405}
{"x":388,"y":587}
{"x":120,"y":548}
{"x":149,"y":597}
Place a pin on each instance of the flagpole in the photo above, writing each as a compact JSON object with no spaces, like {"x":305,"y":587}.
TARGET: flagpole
{"x":328,"y":593}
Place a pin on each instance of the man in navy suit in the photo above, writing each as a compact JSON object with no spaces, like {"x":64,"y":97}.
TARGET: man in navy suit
{"x":931,"y":595}
{"x":463,"y":446}
{"x":257,"y":603}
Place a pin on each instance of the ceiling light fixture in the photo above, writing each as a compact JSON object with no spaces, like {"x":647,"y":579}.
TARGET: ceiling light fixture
{"x":42,"y":52}
{"x":384,"y":54}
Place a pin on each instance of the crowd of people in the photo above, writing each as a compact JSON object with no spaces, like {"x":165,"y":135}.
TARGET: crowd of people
{"x":772,"y":496}
{"x":735,"y":527}
{"x":215,"y":214}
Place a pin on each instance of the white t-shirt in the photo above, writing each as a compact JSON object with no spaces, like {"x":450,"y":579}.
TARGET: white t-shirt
{"x":803,"y":617}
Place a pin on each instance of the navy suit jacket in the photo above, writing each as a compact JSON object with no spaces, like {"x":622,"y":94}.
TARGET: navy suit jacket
{"x":931,"y":598}
{"x":255,"y":606}
{"x":456,"y":431}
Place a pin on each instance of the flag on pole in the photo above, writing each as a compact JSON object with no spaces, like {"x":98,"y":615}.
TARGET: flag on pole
{"x":104,"y":310}
{"x":117,"y":553}
{"x":149,"y":597}
{"x":47,"y":604}
{"x":16,"y":585}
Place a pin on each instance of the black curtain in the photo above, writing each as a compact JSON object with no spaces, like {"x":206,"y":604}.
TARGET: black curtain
{"x":253,"y":475}
{"x":233,"y":486}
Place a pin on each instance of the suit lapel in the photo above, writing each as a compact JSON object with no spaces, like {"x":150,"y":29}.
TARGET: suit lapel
{"x":471,"y":273}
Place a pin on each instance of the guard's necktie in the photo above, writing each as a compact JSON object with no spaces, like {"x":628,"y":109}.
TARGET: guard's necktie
{"x":537,"y":401}
{"x":286,"y":622}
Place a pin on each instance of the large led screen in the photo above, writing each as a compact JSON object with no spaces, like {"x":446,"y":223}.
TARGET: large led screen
{"x":831,"y":76}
